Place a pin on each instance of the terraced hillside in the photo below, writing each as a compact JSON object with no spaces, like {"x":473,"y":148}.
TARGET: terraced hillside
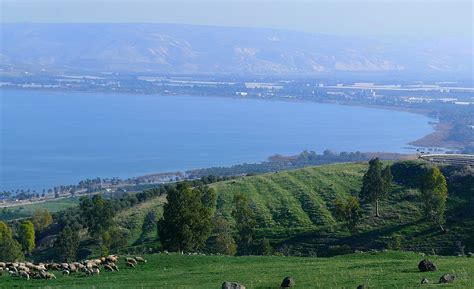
{"x":295,"y":211}
{"x":297,"y":198}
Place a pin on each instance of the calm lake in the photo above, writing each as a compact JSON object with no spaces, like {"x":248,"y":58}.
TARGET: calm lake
{"x":52,"y":138}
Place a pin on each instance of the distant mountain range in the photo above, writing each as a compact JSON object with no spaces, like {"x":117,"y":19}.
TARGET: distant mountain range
{"x":191,"y":49}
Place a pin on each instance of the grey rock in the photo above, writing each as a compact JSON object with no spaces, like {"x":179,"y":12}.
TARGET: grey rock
{"x":232,"y":285}
{"x":426,"y":266}
{"x":447,"y":278}
{"x":425,"y":281}
{"x":287,"y":282}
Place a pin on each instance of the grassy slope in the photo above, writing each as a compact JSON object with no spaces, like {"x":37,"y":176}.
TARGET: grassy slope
{"x":132,"y":218}
{"x":26,"y":211}
{"x":296,"y":198}
{"x":295,"y":210}
{"x":381,"y":270}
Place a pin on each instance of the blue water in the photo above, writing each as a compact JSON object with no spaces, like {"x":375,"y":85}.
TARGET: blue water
{"x":51,"y":138}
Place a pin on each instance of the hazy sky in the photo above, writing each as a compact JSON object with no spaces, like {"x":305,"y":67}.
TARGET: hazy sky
{"x":422,"y":18}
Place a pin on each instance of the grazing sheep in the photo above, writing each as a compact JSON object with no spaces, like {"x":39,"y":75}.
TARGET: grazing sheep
{"x":87,"y":272}
{"x":140,"y":260}
{"x":25,"y":275}
{"x":129,"y":264}
{"x":3,"y":265}
{"x":72,"y":268}
{"x":95,"y":271}
{"x":13,"y":273}
{"x":115,"y":267}
{"x":50,"y":276}
{"x":23,"y":268}
{"x":1,"y":271}
{"x":30,"y":265}
{"x":131,"y":260}
{"x":108,"y":268}
{"x":91,"y":264}
{"x":112,"y":258}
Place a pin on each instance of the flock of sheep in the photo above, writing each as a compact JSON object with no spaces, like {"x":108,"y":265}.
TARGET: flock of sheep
{"x":28,"y":270}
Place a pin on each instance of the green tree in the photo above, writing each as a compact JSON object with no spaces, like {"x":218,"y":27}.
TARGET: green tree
{"x":376,"y":183}
{"x":42,"y":218}
{"x":26,"y":236}
{"x":119,"y":238}
{"x":245,"y":223}
{"x":435,"y":193}
{"x":97,"y":214}
{"x":149,"y":225}
{"x":67,"y":244}
{"x":224,"y":242}
{"x":10,"y":249}
{"x":187,"y":216}
{"x":264,"y":247}
{"x":349,"y":211}
{"x":387,"y":179}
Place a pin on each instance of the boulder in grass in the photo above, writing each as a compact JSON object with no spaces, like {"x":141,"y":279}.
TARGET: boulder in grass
{"x":447,"y":278}
{"x":232,"y":285}
{"x":287,"y":282}
{"x":426,"y":266}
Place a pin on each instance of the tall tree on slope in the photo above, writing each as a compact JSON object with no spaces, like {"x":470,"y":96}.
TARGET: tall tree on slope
{"x":376,"y":183}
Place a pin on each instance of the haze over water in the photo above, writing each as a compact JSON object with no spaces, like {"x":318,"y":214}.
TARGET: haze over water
{"x":52,"y":138}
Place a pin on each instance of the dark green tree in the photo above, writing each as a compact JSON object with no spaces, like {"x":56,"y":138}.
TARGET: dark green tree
{"x":42,"y":218}
{"x":387,"y":179}
{"x":97,"y":214}
{"x":435,"y":193}
{"x":26,"y":236}
{"x":187,"y":216}
{"x":149,"y":226}
{"x":349,"y":211}
{"x":10,"y":249}
{"x":264,"y":247}
{"x":67,"y":244}
{"x":224,"y":242}
{"x":245,"y":223}
{"x":376,"y":184}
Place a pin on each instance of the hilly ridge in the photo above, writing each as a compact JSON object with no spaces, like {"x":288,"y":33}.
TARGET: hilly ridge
{"x":191,"y":49}
{"x":295,"y":211}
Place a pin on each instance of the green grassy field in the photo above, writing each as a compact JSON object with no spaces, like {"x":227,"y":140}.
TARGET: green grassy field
{"x":26,"y":211}
{"x":378,"y":270}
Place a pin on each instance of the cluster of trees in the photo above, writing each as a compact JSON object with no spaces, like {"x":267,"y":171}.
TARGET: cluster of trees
{"x":190,"y":223}
{"x":93,"y":218}
{"x":377,"y":184}
{"x":19,"y":238}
